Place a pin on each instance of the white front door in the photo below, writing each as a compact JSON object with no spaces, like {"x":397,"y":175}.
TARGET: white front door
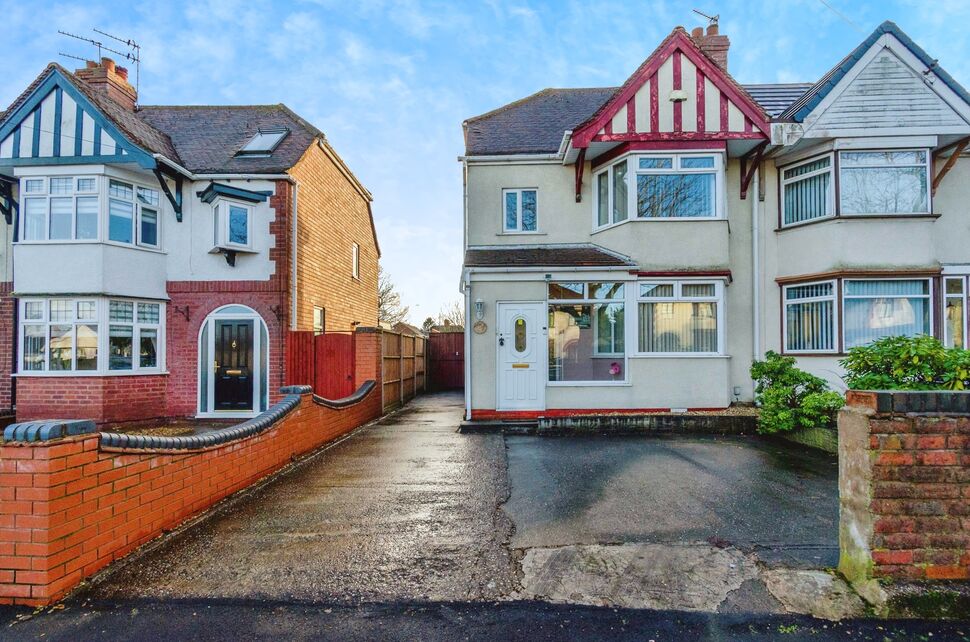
{"x":521,"y":356}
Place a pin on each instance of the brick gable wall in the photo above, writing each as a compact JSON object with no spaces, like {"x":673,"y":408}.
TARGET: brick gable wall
{"x":331,"y":216}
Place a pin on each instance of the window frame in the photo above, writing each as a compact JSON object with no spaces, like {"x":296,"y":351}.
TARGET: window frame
{"x":103,"y":323}
{"x":843,"y":297}
{"x":45,"y":195}
{"x":320,"y":328}
{"x":518,"y":210}
{"x":221,"y":209}
{"x":836,"y":330}
{"x":927,"y":166}
{"x":944,"y":299}
{"x":831,"y":198}
{"x":678,"y":297}
{"x":136,"y":219}
{"x":586,"y":299}
{"x":355,"y":261}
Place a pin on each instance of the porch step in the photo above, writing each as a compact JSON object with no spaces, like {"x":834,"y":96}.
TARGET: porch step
{"x":512,"y":427}
{"x":646,"y":424}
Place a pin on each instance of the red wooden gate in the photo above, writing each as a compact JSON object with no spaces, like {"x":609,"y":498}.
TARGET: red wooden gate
{"x":334,"y":365}
{"x":446,"y":360}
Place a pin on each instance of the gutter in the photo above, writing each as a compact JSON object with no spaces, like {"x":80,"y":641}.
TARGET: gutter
{"x":512,"y":158}
{"x":539,"y":268}
{"x":202,"y":177}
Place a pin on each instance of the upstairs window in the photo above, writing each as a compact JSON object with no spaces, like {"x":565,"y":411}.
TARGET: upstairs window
{"x":884,"y":182}
{"x":521,"y":210}
{"x":264,"y":142}
{"x":232,"y":225}
{"x":807,"y":191}
{"x":132,"y":214}
{"x":60,"y":208}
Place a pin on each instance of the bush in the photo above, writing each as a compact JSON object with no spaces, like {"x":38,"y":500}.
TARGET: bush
{"x":791,"y":398}
{"x":907,"y":363}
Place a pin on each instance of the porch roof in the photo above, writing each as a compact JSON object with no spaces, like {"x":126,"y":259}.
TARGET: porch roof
{"x":518,"y":256}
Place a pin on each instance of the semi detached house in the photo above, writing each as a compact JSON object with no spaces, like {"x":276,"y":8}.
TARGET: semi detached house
{"x":634,"y":248}
{"x":153,"y":259}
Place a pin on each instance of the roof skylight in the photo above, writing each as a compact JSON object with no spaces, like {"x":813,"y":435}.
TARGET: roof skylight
{"x":264,"y":142}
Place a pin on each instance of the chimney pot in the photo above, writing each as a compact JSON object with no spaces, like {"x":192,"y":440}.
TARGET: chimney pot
{"x":122,"y":72}
{"x":90,"y":64}
{"x":697,"y":32}
{"x":712,"y":29}
{"x":714,"y":44}
{"x":108,"y":64}
{"x":110,"y":81}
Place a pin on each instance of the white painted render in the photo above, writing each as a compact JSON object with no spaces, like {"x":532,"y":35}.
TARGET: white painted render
{"x":6,"y":251}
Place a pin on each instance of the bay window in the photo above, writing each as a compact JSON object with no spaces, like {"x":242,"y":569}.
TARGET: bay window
{"x":874,"y":309}
{"x":807,"y":191}
{"x":132,"y":214}
{"x":90,"y":335}
{"x":668,"y":186}
{"x":810,"y":317}
{"x":680,"y":317}
{"x":521,"y":210}
{"x":233,"y":224}
{"x":586,"y":332}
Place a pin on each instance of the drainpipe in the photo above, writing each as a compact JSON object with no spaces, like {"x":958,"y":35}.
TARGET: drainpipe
{"x":294,"y":245}
{"x":756,"y":265}
{"x":467,"y":287}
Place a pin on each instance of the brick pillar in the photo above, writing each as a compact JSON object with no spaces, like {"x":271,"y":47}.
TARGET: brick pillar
{"x":367,"y":355}
{"x":7,"y":334}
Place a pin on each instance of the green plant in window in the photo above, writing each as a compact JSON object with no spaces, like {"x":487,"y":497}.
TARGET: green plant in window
{"x":907,"y":363}
{"x":791,"y":398}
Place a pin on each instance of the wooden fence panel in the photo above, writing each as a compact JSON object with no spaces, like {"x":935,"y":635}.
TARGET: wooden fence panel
{"x":299,"y":359}
{"x":334,"y":359}
{"x":446,"y":361}
{"x":403,"y":368}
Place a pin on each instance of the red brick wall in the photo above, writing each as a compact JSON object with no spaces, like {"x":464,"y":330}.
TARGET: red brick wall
{"x":7,"y":333}
{"x":101,"y":399}
{"x":919,"y":492}
{"x":69,"y":508}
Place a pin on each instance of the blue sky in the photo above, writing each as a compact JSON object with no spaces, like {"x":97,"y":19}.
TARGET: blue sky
{"x":390,"y":81}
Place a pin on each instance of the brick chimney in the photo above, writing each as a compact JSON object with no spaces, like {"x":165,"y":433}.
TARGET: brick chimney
{"x":713,"y":44}
{"x":110,"y":80}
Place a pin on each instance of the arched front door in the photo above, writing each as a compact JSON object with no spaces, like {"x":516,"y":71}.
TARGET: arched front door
{"x":233,"y":363}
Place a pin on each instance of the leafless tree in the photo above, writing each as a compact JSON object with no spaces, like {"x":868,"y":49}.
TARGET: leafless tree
{"x":452,"y":314}
{"x":389,"y":308}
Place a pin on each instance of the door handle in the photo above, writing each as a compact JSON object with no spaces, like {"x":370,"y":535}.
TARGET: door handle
{"x":501,"y":341}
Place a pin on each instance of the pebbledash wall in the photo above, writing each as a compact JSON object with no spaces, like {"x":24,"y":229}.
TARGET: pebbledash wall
{"x":133,"y":397}
{"x":904,"y":486}
{"x":72,"y":505}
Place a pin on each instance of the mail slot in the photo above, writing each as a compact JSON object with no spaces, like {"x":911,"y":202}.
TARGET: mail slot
{"x":520,"y":365}
{"x":234,"y":373}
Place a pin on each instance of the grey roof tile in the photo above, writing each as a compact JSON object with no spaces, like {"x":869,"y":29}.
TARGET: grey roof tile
{"x":584,"y":255}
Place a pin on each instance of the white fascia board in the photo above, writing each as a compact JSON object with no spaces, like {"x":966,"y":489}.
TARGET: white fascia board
{"x":512,"y":159}
{"x":554,"y":273}
{"x":890,"y":132}
{"x":221,"y":176}
{"x":956,"y":270}
{"x":886,"y":142}
{"x":57,"y":170}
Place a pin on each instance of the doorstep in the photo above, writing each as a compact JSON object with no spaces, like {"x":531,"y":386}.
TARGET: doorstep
{"x":620,"y":424}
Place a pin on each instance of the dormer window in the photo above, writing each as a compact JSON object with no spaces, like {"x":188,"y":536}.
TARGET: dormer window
{"x":264,"y":142}
{"x":233,"y":225}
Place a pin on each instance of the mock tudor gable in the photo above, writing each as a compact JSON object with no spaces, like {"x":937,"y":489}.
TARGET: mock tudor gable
{"x":677,"y":94}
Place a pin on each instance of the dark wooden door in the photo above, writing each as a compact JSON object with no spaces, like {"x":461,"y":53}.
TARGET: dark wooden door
{"x":234,"y":365}
{"x":334,"y":365}
{"x":446,"y":360}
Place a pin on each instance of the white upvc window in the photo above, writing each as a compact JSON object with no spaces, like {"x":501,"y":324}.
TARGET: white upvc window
{"x":355,"y":260}
{"x":587,"y":327}
{"x":884,"y":182}
{"x":59,"y":208}
{"x":612,"y":202}
{"x":232,"y":225}
{"x":955,"y":311}
{"x":807,"y":190}
{"x":133,"y":216}
{"x":520,"y":208}
{"x":810,"y":322}
{"x":681,"y":317}
{"x":877,"y":308}
{"x":91,"y":336}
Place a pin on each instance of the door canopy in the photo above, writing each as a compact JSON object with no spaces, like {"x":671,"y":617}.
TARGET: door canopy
{"x":677,"y":94}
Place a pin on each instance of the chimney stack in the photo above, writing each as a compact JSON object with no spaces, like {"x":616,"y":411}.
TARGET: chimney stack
{"x":111,"y":81}
{"x":713,"y":44}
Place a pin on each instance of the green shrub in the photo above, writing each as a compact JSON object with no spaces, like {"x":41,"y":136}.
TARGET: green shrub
{"x":791,"y":398}
{"x":907,"y":363}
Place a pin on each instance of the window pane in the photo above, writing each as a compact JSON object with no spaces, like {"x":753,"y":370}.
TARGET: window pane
{"x":87,"y":217}
{"x":121,"y":311}
{"x":889,"y":190}
{"x":810,"y":326}
{"x":576,"y":333}
{"x":33,"y":310}
{"x":35,"y":213}
{"x":149,"y":227}
{"x":808,"y":168}
{"x":953,"y":318}
{"x":62,"y":211}
{"x":148,"y":339}
{"x":697,"y":290}
{"x":605,"y":290}
{"x":653,"y":290}
{"x":148,"y":312}
{"x":609,"y":328}
{"x":675,"y":195}
{"x":238,"y":225}
{"x":521,"y":332}
{"x":34,"y":185}
{"x":678,"y":326}
{"x":35,"y":343}
{"x":86,"y":184}
{"x":888,"y":159}
{"x":603,"y":199}
{"x":528,"y":210}
{"x":62,"y":346}
{"x":656,"y":163}
{"x":566,"y":291}
{"x":148,"y":196}
{"x":62,"y":310}
{"x":807,"y":199}
{"x":701,"y":162}
{"x":889,"y":308}
{"x":87,"y":347}
{"x":620,"y":201}
{"x":511,"y":210}
{"x":809,"y":291}
{"x":121,"y":190}
{"x":120,"y":221}
{"x":62,"y":185}
{"x":954,"y":286}
{"x":119,"y":347}
{"x":888,"y":287}
{"x":87,"y":310}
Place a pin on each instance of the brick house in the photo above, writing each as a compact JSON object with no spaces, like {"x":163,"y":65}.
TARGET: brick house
{"x":154,"y":258}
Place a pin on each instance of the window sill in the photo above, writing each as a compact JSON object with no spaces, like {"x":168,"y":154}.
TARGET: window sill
{"x":522,"y":234}
{"x":126,"y":246}
{"x":677,"y":355}
{"x":801,"y":355}
{"x":683,"y":219}
{"x":860,"y":217}
{"x":599,"y":384}
{"x":91,"y":373}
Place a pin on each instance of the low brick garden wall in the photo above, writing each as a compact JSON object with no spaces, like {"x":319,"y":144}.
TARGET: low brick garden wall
{"x":73,"y":500}
{"x":904,"y":483}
